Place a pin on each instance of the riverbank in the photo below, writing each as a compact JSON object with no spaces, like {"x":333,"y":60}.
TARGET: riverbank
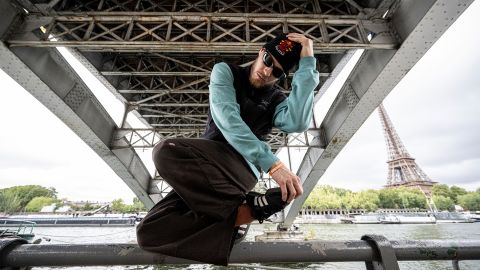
{"x":406,"y":217}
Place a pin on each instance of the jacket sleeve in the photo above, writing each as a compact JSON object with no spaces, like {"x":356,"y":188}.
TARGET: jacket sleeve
{"x":295,"y":112}
{"x":226,"y":114}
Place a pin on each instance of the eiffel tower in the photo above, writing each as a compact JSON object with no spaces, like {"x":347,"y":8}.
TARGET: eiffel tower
{"x":403,"y":171}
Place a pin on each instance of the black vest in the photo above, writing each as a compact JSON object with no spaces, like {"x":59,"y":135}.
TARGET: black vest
{"x":257,"y":106}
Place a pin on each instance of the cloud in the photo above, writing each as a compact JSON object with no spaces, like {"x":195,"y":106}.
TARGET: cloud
{"x":10,"y":160}
{"x":458,"y":173}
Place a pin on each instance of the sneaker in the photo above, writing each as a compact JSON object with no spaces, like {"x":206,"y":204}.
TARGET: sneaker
{"x":265,"y":205}
{"x":241,"y":233}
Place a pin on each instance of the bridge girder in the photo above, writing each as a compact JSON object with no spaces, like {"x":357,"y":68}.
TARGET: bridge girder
{"x":156,"y":56}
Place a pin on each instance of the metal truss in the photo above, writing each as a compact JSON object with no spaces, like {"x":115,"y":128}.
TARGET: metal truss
{"x":179,"y":77}
{"x":301,"y":7}
{"x":148,"y":138}
{"x":199,"y":33}
{"x":158,"y":55}
{"x":170,"y":91}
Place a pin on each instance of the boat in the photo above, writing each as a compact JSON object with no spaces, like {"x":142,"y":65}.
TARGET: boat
{"x":319,"y":219}
{"x":475,"y":216}
{"x":371,"y":218}
{"x":408,"y":219}
{"x":397,"y":218}
{"x":452,"y":217}
{"x":390,"y":219}
{"x":23,"y":230}
{"x":63,"y":221}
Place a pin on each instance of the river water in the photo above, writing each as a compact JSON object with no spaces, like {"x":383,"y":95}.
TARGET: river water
{"x":77,"y":235}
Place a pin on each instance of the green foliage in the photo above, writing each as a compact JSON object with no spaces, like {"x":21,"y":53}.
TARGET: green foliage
{"x":441,"y":190}
{"x":401,"y":198}
{"x":25,"y":194}
{"x":456,"y":192}
{"x":452,"y":192}
{"x":9,"y":202}
{"x":388,"y":199}
{"x":470,"y":201}
{"x":413,"y":198}
{"x":88,"y":207}
{"x":368,"y":200}
{"x":327,"y":197}
{"x":137,"y":206}
{"x":443,"y":203}
{"x":119,"y":206}
{"x":36,"y":204}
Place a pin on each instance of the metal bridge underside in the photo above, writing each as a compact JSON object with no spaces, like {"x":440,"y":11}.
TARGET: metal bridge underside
{"x":156,"y":57}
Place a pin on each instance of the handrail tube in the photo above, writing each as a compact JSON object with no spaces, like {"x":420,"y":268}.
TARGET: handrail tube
{"x":245,"y":252}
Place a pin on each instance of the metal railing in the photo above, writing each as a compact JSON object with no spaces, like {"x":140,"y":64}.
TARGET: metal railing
{"x":376,"y":251}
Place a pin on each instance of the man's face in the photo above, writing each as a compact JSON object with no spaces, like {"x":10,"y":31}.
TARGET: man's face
{"x":261,"y":75}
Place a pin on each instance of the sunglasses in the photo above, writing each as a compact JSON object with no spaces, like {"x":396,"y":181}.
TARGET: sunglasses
{"x":268,"y":62}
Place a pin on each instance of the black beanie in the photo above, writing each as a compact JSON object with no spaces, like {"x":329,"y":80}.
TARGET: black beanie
{"x":286,"y":51}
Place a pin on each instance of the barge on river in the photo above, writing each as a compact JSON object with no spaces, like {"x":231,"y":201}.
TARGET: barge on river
{"x":70,"y":221}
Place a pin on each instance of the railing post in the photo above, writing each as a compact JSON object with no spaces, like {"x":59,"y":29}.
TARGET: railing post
{"x":455,"y":265}
{"x":6,"y":245}
{"x":383,"y":250}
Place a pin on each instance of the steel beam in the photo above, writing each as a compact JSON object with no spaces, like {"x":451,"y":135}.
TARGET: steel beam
{"x":187,"y":47}
{"x":419,"y":24}
{"x":324,"y":8}
{"x":303,"y":8}
{"x":48,"y":77}
{"x":246,"y":252}
{"x":200,"y":33}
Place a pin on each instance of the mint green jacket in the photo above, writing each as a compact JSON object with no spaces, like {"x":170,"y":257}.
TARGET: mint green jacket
{"x":291,"y":115}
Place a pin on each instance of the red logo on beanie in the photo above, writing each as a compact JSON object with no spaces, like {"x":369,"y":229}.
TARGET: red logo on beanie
{"x":284,"y":46}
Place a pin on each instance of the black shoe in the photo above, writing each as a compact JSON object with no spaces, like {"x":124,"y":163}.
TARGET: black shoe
{"x":241,"y":233}
{"x":265,"y":205}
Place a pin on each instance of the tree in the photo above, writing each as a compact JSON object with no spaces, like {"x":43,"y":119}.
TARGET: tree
{"x":442,"y":202}
{"x":88,"y":207}
{"x":441,"y":190}
{"x":324,"y":197}
{"x":26,"y":193}
{"x":37,"y":203}
{"x":361,"y":200}
{"x":401,"y":198}
{"x":118,"y":206}
{"x":388,"y":198}
{"x":470,"y":201}
{"x":412,"y":198}
{"x":455,"y":192}
{"x":137,"y":206}
{"x":9,"y":202}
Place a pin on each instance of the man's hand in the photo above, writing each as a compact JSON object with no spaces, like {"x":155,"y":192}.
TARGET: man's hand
{"x":307,"y":44}
{"x":289,"y":183}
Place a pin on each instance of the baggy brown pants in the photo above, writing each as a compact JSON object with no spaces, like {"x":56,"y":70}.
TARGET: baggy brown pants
{"x":196,"y":219}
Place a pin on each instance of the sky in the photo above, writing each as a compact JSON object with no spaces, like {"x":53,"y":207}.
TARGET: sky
{"x":434,"y":110}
